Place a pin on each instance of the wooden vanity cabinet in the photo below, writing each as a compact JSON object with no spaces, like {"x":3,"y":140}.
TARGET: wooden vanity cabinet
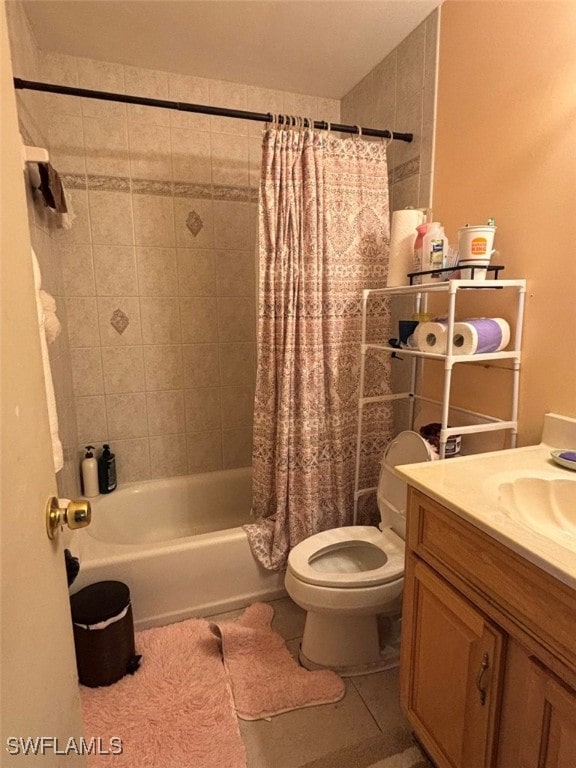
{"x":488,"y":666}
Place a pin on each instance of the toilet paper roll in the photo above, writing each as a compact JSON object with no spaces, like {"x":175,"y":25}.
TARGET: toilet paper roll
{"x":402,"y":238}
{"x":480,"y":335}
{"x":432,"y":337}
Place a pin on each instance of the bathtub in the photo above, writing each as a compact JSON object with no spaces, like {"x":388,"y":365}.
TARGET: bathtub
{"x":178,"y":545}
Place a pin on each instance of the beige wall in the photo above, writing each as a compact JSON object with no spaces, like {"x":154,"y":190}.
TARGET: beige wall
{"x":506,"y":147}
{"x":165,"y":230}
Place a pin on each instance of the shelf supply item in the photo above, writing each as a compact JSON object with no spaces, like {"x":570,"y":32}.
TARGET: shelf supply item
{"x":419,"y":246}
{"x":402,"y":237}
{"x":107,"y":470}
{"x":480,"y":335}
{"x":432,"y":337}
{"x":90,"y":473}
{"x":475,"y":248}
{"x":434,"y":248}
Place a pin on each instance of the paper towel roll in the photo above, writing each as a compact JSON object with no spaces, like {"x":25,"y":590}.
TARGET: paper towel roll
{"x":432,"y":337}
{"x":480,"y":335}
{"x":402,"y":238}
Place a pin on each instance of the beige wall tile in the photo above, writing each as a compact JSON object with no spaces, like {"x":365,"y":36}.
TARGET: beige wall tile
{"x":66,"y":140}
{"x":150,"y":83}
{"x":237,"y":406}
{"x":101,"y":76}
{"x":203,"y":409}
{"x":186,"y":208}
{"x":230,"y":160}
{"x":77,"y":269}
{"x":237,"y":363}
{"x":115,"y":270}
{"x":411,"y":63}
{"x":204,"y":451}
{"x":237,"y":447}
{"x":235,"y":273}
{"x":199,"y":320}
{"x":123,"y":369}
{"x":166,"y":414}
{"x":191,"y":156}
{"x":409,"y":118}
{"x":263,"y":100}
{"x":300,"y":105}
{"x":157,"y":272}
{"x":150,"y":151}
{"x":236,"y":319}
{"x":196,"y":272}
{"x":160,"y":319}
{"x":230,"y":96}
{"x":108,"y":309}
{"x":132,"y":459}
{"x":328,"y":110}
{"x":168,"y":456}
{"x":106,"y":146}
{"x":126,"y":415}
{"x":200,"y":365}
{"x":87,"y":371}
{"x":153,"y":220}
{"x":163,"y":367}
{"x":91,"y":420}
{"x":82,"y":316}
{"x":62,"y":69}
{"x":192,"y":90}
{"x":406,"y":192}
{"x":254,"y":160}
{"x":111,"y":218}
{"x":231,"y":225}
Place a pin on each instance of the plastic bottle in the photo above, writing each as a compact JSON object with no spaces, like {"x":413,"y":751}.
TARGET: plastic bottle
{"x":107,"y":470}
{"x":434,"y":249}
{"x":90,"y":473}
{"x":418,"y":245}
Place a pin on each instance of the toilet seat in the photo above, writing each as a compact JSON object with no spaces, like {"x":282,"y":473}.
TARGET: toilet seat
{"x":343,"y":541}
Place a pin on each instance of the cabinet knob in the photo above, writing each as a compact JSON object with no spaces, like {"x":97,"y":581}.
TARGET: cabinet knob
{"x":484,"y":664}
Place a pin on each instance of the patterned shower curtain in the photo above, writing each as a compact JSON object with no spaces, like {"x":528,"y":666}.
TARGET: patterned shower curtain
{"x":324,"y":236}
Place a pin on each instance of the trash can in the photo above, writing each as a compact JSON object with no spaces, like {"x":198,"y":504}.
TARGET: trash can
{"x":103,"y":633}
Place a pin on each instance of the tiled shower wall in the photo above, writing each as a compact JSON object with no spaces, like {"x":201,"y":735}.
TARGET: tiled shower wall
{"x":400,"y":93}
{"x":159,"y":268}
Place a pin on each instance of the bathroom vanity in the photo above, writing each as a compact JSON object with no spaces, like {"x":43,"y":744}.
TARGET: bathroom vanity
{"x":488,"y":669}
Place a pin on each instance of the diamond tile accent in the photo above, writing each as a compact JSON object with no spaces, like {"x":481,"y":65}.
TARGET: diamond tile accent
{"x":119,"y":321}
{"x":194,"y":223}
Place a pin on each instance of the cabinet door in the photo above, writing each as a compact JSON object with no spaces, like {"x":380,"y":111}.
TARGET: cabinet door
{"x":451,"y":671}
{"x":538,"y":716}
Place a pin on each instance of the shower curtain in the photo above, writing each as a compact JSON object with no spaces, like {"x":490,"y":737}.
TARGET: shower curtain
{"x":323,"y":237}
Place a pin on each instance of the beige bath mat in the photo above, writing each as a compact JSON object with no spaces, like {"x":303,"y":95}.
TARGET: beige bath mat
{"x":264,"y":678}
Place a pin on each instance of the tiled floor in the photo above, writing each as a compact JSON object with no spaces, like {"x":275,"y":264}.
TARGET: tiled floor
{"x":369,"y":709}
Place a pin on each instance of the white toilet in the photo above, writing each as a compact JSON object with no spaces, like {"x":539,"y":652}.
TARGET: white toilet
{"x":347,"y":578}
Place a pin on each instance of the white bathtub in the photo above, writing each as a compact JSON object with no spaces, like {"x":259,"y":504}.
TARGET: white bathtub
{"x":178,"y":545}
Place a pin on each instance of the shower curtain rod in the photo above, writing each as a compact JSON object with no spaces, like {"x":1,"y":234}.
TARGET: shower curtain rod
{"x":264,"y":117}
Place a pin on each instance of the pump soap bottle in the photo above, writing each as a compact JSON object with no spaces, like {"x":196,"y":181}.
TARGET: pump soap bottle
{"x":90,"y":473}
{"x":107,"y":470}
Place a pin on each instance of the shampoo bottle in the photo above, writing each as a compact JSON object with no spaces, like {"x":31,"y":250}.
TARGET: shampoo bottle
{"x":107,"y":470}
{"x":90,"y":473}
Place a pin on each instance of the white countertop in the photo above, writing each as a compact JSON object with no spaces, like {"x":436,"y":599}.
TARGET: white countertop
{"x":468,"y":485}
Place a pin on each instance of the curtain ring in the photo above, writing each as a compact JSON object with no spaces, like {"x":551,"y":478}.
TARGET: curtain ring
{"x":359,"y":127}
{"x":387,"y":140}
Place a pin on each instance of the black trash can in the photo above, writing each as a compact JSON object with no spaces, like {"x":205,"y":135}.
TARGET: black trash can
{"x":103,"y":633}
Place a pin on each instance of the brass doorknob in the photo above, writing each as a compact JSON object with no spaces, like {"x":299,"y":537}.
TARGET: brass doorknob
{"x":76,"y":514}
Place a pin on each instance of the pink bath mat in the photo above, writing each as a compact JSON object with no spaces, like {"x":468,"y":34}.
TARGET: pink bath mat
{"x":264,"y":678}
{"x":175,"y":712}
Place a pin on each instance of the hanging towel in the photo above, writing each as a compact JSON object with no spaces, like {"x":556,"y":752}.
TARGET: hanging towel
{"x":50,"y":398}
{"x":54,"y":195}
{"x":52,"y":325}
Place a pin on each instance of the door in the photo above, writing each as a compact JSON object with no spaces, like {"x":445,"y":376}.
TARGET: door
{"x":451,"y":669}
{"x":39,"y":691}
{"x":538,"y":728}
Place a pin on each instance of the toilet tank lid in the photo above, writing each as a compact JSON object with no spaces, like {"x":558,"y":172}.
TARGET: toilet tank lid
{"x":408,"y":447}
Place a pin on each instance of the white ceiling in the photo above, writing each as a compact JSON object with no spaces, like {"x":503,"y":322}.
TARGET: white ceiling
{"x":320,"y":47}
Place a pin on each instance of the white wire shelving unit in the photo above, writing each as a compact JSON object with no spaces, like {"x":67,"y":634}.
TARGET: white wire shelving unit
{"x":486,"y":422}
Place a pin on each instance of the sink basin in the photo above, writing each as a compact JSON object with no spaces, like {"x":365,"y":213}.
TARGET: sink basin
{"x":545,"y":503}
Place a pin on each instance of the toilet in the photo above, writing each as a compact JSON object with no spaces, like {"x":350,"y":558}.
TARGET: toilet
{"x":350,"y":579}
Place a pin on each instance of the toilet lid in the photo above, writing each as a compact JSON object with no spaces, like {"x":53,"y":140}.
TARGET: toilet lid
{"x":408,"y":448}
{"x":349,"y":557}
